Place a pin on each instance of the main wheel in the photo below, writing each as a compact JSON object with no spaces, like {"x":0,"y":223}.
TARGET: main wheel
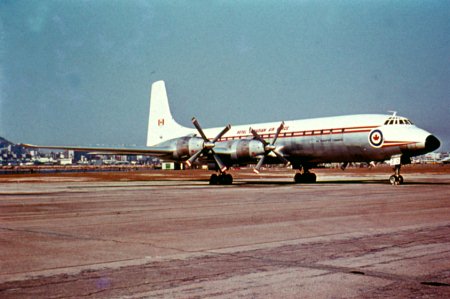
{"x":298,"y":178}
{"x":214,"y":179}
{"x":306,"y":178}
{"x":227,"y":179}
{"x":310,"y":177}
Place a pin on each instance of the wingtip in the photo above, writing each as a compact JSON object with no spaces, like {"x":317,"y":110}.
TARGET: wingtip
{"x":26,"y":145}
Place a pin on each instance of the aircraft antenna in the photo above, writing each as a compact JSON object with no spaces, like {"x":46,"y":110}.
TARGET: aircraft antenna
{"x":394,"y":113}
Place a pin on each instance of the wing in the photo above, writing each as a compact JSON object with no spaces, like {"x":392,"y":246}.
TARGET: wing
{"x":147,"y":151}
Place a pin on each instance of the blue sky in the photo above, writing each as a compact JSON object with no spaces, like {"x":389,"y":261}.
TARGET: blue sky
{"x":79,"y":72}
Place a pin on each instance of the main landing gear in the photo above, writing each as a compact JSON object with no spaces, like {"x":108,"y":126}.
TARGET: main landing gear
{"x":305,"y":178}
{"x":221,"y":179}
{"x":396,"y":178}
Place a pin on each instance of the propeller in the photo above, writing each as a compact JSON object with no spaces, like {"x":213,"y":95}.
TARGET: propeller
{"x":208,"y":146}
{"x":269,"y":148}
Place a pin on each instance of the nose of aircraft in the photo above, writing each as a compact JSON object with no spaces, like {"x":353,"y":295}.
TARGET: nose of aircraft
{"x":432,"y":143}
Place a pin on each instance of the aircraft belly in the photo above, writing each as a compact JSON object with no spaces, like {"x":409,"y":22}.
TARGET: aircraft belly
{"x":350,"y":148}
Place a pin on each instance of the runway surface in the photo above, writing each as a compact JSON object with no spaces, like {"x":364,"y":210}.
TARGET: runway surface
{"x":156,"y":235}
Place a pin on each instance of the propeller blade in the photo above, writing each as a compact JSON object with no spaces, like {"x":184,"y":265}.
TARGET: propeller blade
{"x":282,"y":158}
{"x":223,"y":132}
{"x":199,"y":129}
{"x":259,"y":165}
{"x":278,"y":132}
{"x":194,"y":157}
{"x":257,"y":137}
{"x":219,"y":162}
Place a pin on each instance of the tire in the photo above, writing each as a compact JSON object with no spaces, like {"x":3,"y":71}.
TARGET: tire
{"x":214,"y":179}
{"x":311,"y":178}
{"x":227,"y":179}
{"x":393,"y":180}
{"x":298,"y":178}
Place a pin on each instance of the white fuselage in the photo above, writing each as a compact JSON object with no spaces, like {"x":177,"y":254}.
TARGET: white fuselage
{"x":331,"y":139}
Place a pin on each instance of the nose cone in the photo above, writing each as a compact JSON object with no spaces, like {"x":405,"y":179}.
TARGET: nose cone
{"x":432,"y":143}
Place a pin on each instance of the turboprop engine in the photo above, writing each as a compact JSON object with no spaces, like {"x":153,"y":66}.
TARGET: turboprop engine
{"x":207,"y":146}
{"x":243,"y":150}
{"x":187,"y":146}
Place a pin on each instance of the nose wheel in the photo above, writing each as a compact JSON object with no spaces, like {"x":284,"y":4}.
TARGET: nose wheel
{"x":396,"y":178}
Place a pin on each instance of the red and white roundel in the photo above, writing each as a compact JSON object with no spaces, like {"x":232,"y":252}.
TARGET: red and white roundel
{"x":376,"y":138}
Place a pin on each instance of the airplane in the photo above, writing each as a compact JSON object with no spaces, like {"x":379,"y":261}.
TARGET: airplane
{"x":445,"y":160}
{"x":301,"y":143}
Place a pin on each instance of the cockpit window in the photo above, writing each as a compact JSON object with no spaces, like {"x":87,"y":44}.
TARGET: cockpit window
{"x":397,"y":120}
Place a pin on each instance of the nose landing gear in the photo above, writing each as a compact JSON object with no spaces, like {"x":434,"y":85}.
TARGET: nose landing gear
{"x":396,"y":178}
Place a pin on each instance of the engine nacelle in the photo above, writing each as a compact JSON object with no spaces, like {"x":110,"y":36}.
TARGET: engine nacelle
{"x":186,"y":147}
{"x":246,"y":149}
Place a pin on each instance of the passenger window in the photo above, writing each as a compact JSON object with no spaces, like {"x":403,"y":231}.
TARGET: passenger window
{"x":391,"y":122}
{"x":401,"y":122}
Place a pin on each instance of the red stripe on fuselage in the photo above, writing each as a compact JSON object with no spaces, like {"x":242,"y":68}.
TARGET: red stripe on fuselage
{"x":307,"y":133}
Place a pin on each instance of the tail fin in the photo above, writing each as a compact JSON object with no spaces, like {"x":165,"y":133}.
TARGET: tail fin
{"x":161,"y":125}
